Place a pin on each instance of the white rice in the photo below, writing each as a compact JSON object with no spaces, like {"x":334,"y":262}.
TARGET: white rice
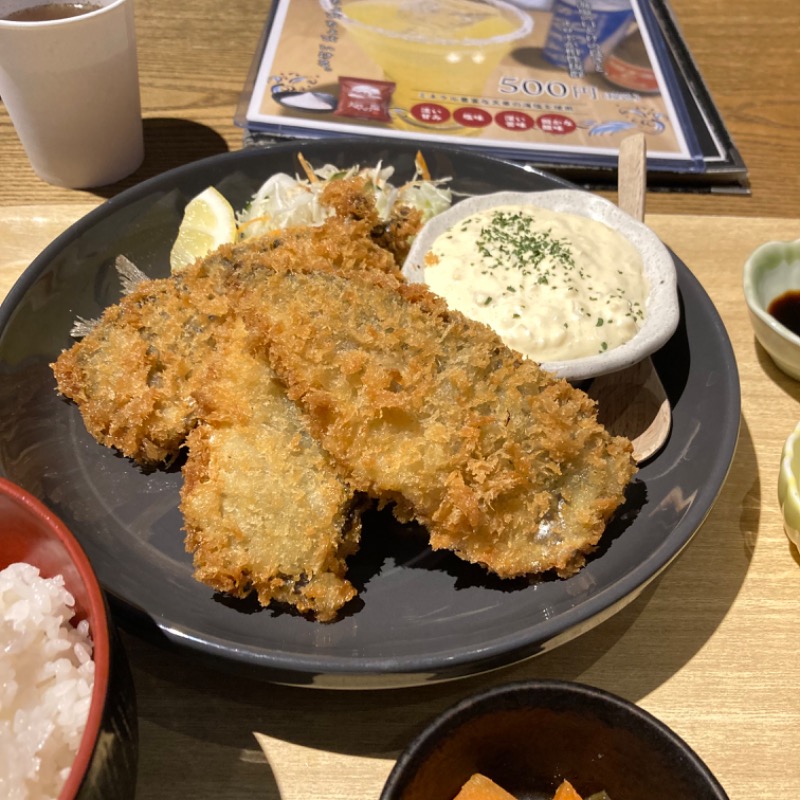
{"x":46,"y":679}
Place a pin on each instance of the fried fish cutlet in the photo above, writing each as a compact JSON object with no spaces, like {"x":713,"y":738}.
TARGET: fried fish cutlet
{"x":405,"y":401}
{"x":263,"y":506}
{"x":265,"y":509}
{"x":133,"y":376}
{"x":504,"y":464}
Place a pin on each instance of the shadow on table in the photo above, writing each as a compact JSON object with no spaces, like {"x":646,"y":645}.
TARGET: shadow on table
{"x":182,"y":704}
{"x":169,"y":143}
{"x":787,"y":384}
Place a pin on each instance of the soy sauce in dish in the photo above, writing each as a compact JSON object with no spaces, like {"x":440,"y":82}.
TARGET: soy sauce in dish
{"x":786,"y":309}
{"x":47,"y":12}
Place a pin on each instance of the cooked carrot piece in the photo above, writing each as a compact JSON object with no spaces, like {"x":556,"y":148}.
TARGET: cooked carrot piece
{"x":479,"y":787}
{"x":566,"y":792}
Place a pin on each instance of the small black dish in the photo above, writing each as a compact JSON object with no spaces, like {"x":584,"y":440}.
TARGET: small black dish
{"x":529,"y":736}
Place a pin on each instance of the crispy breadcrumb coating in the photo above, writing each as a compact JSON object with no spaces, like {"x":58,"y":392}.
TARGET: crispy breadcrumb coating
{"x":300,"y":372}
{"x":171,"y":366}
{"x":263,"y":506}
{"x":133,"y":375}
{"x":265,"y":509}
{"x":504,"y":464}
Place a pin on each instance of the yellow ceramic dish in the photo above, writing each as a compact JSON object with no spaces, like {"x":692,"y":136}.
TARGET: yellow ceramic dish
{"x":788,"y":494}
{"x":771,"y":270}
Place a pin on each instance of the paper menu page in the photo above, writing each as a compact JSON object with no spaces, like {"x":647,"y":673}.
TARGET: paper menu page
{"x":517,"y":78}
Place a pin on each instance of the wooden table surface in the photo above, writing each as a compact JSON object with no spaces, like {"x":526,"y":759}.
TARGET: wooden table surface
{"x":711,"y":648}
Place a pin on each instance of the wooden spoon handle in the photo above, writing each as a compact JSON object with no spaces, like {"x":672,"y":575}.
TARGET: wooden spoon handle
{"x":633,"y":175}
{"x":633,"y":403}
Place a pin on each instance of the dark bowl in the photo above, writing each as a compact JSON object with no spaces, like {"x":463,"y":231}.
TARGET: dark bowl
{"x":529,"y":736}
{"x":423,"y":616}
{"x":31,"y":533}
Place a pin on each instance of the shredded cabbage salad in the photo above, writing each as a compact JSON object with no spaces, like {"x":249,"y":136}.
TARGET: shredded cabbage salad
{"x":287,"y":200}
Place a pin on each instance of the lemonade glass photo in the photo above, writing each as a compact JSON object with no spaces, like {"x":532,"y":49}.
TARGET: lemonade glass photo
{"x":426,"y":47}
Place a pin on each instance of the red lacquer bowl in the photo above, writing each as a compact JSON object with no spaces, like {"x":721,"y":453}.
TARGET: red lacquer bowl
{"x":31,"y":533}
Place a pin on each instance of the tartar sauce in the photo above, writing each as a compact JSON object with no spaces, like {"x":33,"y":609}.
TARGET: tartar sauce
{"x":555,"y":286}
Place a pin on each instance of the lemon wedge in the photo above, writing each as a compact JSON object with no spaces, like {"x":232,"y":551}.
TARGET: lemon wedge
{"x":208,"y":221}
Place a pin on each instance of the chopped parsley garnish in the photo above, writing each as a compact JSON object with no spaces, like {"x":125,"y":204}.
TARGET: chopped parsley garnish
{"x":508,"y":240}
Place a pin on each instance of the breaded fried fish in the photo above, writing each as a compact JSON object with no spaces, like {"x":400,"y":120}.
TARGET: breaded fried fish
{"x":264,"y":509}
{"x":504,"y":464}
{"x":172,"y":365}
{"x":135,"y":374}
{"x":301,"y":373}
{"x":264,"y":506}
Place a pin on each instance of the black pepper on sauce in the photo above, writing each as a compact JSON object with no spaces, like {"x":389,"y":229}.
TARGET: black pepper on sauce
{"x":786,"y":309}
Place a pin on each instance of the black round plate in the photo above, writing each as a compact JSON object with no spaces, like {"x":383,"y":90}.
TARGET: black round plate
{"x":421,"y":616}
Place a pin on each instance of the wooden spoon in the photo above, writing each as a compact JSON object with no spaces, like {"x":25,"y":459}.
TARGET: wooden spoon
{"x":632,"y":402}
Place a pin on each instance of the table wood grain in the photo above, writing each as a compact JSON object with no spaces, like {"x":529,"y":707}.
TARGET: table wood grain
{"x":711,"y":647}
{"x":194,"y":56}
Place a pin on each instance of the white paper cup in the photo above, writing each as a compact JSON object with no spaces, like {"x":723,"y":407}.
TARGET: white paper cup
{"x":71,"y":87}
